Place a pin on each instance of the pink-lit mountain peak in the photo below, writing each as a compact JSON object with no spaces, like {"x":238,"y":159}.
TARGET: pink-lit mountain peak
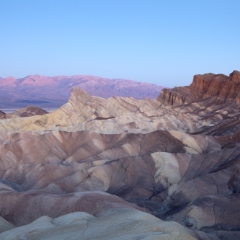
{"x":56,"y":89}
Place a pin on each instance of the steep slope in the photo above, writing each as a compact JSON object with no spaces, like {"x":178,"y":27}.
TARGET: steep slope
{"x":118,"y":115}
{"x":218,"y":86}
{"x":177,"y":158}
{"x":2,"y":114}
{"x":213,"y":98}
{"x":86,"y":112}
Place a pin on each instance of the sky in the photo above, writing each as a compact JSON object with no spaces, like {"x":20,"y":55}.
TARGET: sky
{"x":164,"y":42}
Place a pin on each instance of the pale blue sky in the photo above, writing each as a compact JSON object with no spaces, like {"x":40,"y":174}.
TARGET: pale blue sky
{"x":158,"y":41}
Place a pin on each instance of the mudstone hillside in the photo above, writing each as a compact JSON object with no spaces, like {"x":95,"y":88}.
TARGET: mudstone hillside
{"x":121,"y":168}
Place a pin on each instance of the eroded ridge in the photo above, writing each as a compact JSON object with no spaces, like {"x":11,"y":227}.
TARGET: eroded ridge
{"x":177,"y":157}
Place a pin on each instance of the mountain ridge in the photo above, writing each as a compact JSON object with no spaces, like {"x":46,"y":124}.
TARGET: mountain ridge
{"x":177,"y":159}
{"x":55,"y":90}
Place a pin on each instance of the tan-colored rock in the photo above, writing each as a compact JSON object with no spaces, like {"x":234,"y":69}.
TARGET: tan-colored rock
{"x":176,"y":157}
{"x":111,"y":224}
{"x":119,"y":115}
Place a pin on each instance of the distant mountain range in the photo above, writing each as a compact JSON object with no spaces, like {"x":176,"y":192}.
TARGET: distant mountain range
{"x":54,"y":91}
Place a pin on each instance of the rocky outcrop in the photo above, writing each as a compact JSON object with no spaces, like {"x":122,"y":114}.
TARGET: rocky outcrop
{"x":177,"y":96}
{"x":2,"y":115}
{"x":120,"y":115}
{"x":225,"y":88}
{"x":221,"y":86}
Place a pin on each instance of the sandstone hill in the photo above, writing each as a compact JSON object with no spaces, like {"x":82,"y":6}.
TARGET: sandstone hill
{"x":54,"y":91}
{"x":103,"y":167}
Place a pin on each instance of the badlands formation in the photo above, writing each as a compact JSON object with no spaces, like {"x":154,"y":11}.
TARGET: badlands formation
{"x":121,"y":168}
